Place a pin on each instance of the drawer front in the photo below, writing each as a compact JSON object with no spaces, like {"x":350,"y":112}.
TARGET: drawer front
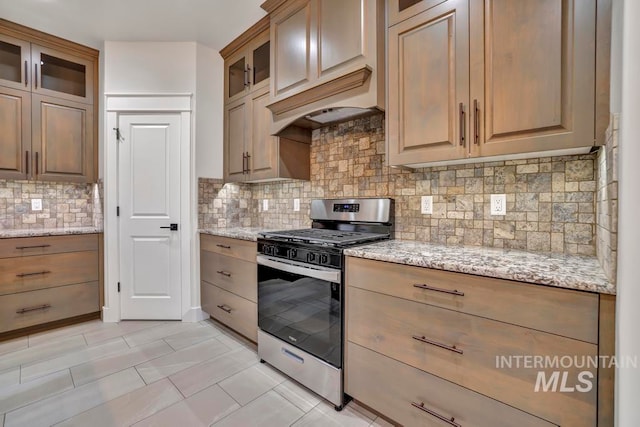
{"x":236,"y":248}
{"x":572,"y":314}
{"x":37,"y":307}
{"x":472,"y":351}
{"x":47,"y":271}
{"x":28,"y":246}
{"x":392,"y":388}
{"x":237,"y":313}
{"x":232,"y":274}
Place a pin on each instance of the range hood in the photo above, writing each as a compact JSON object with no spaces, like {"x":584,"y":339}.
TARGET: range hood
{"x":327,"y":62}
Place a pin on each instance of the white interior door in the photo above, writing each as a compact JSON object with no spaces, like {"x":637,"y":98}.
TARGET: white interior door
{"x":149,"y":201}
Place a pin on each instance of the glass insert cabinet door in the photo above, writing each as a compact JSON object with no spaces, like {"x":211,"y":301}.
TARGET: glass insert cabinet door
{"x":60,"y":75}
{"x":14,"y":63}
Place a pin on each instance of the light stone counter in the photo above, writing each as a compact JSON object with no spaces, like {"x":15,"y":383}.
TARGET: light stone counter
{"x":42,"y":232}
{"x":564,"y":271}
{"x":242,"y":233}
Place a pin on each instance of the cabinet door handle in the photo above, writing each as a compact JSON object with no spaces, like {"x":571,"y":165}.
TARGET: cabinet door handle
{"x":437,"y":344}
{"x":451,"y":421}
{"x":26,"y":74}
{"x":248,"y":157}
{"x":35,"y":76}
{"x":26,"y":163}
{"x":225,"y":308}
{"x":37,"y":164}
{"x":476,"y":122}
{"x":462,"y":126}
{"x":27,"y":309}
{"x":37,"y":273}
{"x":32,"y":247}
{"x":244,"y":162}
{"x":223,"y":246}
{"x":224,"y":273}
{"x":433,"y":288}
{"x":248,"y":75}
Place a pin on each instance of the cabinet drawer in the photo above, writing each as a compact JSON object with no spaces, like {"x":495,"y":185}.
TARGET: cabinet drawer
{"x":46,"y":305}
{"x":392,"y":387}
{"x":232,"y":274}
{"x":47,"y":271}
{"x":27,"y":246}
{"x":564,"y":312}
{"x":236,"y":248}
{"x":466,"y":350}
{"x":235,"y":312}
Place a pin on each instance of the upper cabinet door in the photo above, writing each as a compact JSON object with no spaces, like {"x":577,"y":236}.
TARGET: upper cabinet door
{"x":260,"y":56}
{"x":263,"y":160}
{"x":15,"y":138}
{"x":62,"y":75}
{"x":236,"y":119}
{"x":341,"y":33}
{"x":62,"y":140}
{"x":429,"y":86}
{"x":399,"y":10}
{"x":532,"y":71}
{"x":236,"y":76}
{"x":294,"y":41}
{"x":14,"y":63}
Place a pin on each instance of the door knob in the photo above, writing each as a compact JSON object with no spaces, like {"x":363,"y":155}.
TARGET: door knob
{"x":172,"y":227}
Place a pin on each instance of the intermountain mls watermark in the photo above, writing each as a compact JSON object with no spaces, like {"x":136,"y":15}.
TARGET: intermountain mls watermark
{"x":565,"y":374}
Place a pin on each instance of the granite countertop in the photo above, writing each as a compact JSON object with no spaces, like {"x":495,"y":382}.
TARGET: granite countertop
{"x":564,"y":271}
{"x":41,"y":232}
{"x":242,"y":233}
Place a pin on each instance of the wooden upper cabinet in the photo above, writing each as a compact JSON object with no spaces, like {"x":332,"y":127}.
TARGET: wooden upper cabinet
{"x":14,"y":62}
{"x":15,"y":138}
{"x":62,"y":140}
{"x":534,"y":75}
{"x":263,"y":160}
{"x":247,"y":69}
{"x":236,"y":118}
{"x":428,"y":84}
{"x":520,"y":73}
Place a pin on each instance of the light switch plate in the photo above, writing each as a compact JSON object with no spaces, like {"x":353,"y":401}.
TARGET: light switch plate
{"x":265,"y":204}
{"x":36,"y":204}
{"x":296,"y":205}
{"x":426,"y":205}
{"x":498,"y":204}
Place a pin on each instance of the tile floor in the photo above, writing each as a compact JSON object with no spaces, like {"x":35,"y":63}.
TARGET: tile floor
{"x":148,"y":373}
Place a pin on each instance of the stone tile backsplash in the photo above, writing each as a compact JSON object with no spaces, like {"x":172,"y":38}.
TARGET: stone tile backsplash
{"x":551,"y":201}
{"x":64,"y":205}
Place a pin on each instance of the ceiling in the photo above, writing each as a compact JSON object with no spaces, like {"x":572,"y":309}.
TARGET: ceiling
{"x":213,"y":23}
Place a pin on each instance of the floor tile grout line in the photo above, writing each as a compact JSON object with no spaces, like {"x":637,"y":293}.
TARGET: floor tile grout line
{"x":177,"y":388}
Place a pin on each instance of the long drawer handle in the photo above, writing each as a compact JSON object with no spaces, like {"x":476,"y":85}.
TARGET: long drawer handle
{"x":37,"y":273}
{"x":291,"y":355}
{"x":224,"y":308}
{"x":437,"y":344}
{"x":32,"y":247}
{"x":224,"y":273}
{"x":451,"y":421}
{"x":27,"y":309}
{"x":223,"y":246}
{"x":433,"y":288}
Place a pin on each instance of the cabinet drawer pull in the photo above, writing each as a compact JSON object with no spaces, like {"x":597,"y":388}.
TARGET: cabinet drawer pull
{"x":32,"y":274}
{"x":433,"y":288}
{"x":462,"y":124}
{"x":27,"y":309}
{"x":225,"y":308}
{"x":437,"y":344}
{"x":224,"y":273}
{"x":26,"y":163}
{"x":476,"y":122}
{"x":32,"y":247}
{"x":26,"y":74}
{"x":223,"y":246}
{"x":451,"y":421}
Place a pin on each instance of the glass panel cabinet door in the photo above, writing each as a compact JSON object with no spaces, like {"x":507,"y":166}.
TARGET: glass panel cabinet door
{"x":399,"y":10}
{"x":237,"y":77}
{"x":261,"y":63}
{"x":14,"y":63}
{"x":60,"y":75}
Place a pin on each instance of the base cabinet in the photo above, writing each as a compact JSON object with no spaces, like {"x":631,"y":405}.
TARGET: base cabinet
{"x":229,"y":283}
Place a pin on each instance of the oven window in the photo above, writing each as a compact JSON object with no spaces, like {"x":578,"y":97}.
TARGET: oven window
{"x":302,"y":311}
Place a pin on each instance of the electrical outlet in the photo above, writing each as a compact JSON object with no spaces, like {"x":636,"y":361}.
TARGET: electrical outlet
{"x":265,"y":204}
{"x":498,"y":204}
{"x":36,"y":204}
{"x":296,"y":205}
{"x":426,"y":205}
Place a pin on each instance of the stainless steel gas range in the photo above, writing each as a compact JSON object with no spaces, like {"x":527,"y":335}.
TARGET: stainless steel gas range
{"x":301,"y":290}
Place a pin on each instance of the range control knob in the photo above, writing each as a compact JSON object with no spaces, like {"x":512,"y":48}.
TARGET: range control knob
{"x":311,"y":257}
{"x":293,"y":253}
{"x":324,"y":259}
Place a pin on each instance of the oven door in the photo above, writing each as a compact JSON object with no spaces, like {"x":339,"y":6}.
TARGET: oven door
{"x":301,"y":304}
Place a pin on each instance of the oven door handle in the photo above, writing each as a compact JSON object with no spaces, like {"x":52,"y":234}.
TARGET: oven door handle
{"x":328,"y":274}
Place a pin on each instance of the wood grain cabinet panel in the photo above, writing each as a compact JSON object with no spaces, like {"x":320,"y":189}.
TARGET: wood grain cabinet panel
{"x":236,"y":248}
{"x":236,"y":118}
{"x":236,"y":312}
{"x":558,"y":311}
{"x":464,"y":349}
{"x":30,"y":246}
{"x":15,"y":139}
{"x":231,"y":274}
{"x":399,"y":10}
{"x":396,"y":390}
